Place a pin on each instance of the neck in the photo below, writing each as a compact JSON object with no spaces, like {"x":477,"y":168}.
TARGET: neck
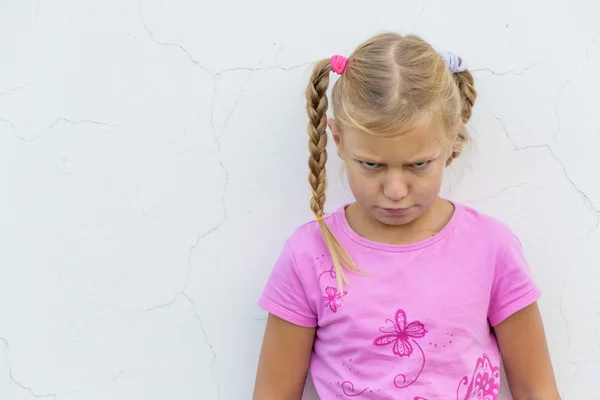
{"x":433,"y":220}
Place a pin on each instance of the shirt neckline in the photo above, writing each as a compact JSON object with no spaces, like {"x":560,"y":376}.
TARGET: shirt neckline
{"x":340,"y":216}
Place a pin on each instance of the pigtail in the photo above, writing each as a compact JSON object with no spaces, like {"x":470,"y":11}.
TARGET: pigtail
{"x":316,"y":107}
{"x":466,"y":87}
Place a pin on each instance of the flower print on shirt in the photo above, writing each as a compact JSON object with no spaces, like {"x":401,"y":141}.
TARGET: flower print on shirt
{"x":401,"y":334}
{"x":485,"y":382}
{"x":402,"y":338}
{"x":333,"y":300}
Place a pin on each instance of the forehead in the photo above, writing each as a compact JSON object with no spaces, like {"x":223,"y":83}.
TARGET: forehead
{"x":420,"y":142}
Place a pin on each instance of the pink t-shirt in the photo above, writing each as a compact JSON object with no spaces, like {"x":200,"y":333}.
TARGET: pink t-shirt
{"x":418,"y":326}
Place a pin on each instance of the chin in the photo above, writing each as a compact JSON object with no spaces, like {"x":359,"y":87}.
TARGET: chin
{"x":396,"y":220}
{"x":388,"y":219}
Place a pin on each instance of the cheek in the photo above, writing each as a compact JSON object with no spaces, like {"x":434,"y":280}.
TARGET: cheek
{"x":360,"y":182}
{"x":429,"y":186}
{"x":354,"y":177}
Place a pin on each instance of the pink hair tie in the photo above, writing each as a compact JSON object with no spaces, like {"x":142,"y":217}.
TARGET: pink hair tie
{"x":338,"y":64}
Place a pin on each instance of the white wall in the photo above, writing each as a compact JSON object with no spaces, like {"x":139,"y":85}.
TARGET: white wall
{"x":153,"y":161}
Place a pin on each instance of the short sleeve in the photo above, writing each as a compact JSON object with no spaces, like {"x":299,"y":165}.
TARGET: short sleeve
{"x":513,"y":288}
{"x":285,"y":295}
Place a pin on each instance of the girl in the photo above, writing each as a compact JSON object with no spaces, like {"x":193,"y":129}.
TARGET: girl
{"x":401,"y":294}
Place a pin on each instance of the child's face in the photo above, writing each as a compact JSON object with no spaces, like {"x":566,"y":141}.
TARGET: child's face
{"x":393,"y":180}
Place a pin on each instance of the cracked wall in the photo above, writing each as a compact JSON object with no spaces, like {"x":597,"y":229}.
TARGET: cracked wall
{"x":154,"y":160}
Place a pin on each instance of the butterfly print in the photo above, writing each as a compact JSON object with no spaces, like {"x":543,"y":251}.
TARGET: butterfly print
{"x":485,"y":382}
{"x":402,"y":339}
{"x":333,"y":299}
{"x":401,"y":334}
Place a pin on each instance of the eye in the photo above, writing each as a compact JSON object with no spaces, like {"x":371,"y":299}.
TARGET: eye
{"x":369,"y":165}
{"x":420,"y":165}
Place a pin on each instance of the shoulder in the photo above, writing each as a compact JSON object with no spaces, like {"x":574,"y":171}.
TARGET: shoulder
{"x":303,"y":258}
{"x":483,"y":225}
{"x":481,"y":231}
{"x":306,"y":241}
{"x":493,"y":238}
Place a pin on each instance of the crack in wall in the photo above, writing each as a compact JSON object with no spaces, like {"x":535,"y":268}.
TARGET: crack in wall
{"x":581,"y":193}
{"x":237,"y":99}
{"x":12,"y":126}
{"x":567,"y":83}
{"x":562,"y":313}
{"x":183,"y":291}
{"x":587,"y":51}
{"x":37,"y":11}
{"x":212,"y":350}
{"x":217,"y":136}
{"x":116,"y":378}
{"x":419,"y":17}
{"x":64,"y":120}
{"x":221,"y":222}
{"x":221,"y":165}
{"x":556,"y":101}
{"x":503,"y":73}
{"x":12,"y":90}
{"x":198,"y":63}
{"x":499,"y":193}
{"x":505,"y":131}
{"x":168,"y":44}
{"x":156,"y":307}
{"x":18,"y":383}
{"x":185,"y":295}
{"x":270,"y":68}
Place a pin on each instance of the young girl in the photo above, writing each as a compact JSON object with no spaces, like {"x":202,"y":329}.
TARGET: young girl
{"x":401,"y":294}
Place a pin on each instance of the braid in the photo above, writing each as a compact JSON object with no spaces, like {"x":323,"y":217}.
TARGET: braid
{"x":466,"y":87}
{"x":316,"y":107}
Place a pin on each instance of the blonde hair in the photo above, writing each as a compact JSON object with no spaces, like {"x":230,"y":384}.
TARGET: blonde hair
{"x":390,"y":84}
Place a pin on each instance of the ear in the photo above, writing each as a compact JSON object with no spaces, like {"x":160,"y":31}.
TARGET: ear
{"x":449,"y":156}
{"x":335,"y":133}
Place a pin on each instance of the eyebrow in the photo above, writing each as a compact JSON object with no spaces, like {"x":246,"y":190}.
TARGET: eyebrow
{"x":377,"y":160}
{"x":365,"y":157}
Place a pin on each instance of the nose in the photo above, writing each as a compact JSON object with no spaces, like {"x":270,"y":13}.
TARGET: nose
{"x":395,"y":187}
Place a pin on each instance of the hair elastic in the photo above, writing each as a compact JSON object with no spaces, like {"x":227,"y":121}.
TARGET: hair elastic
{"x":320,"y":218}
{"x":454,"y":63}
{"x":338,"y":64}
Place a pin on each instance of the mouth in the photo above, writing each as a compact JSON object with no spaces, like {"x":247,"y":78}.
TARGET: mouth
{"x":396,"y":211}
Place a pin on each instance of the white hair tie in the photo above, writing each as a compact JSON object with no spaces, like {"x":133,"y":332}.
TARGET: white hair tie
{"x":453,"y":62}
